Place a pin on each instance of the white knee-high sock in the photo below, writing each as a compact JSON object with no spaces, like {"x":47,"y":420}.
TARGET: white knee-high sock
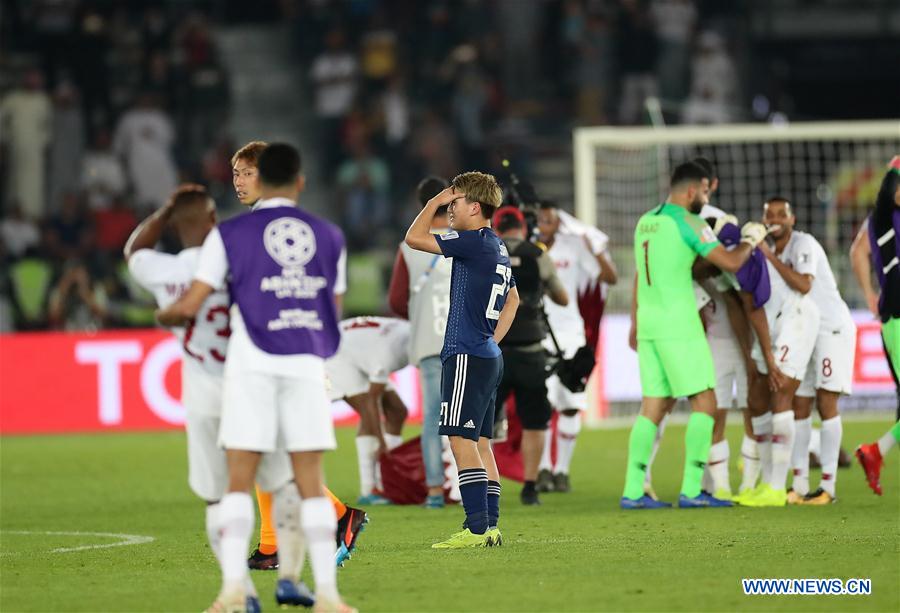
{"x":782,"y":445}
{"x":648,"y":479}
{"x":750,"y":455}
{"x":366,"y":450}
{"x":800,"y":455}
{"x":236,"y":520}
{"x":762,"y":431}
{"x":569,"y":427}
{"x":546,"y":458}
{"x":319,"y":527}
{"x":213,"y":533}
{"x":832,"y":432}
{"x":717,"y":464}
{"x":289,"y":532}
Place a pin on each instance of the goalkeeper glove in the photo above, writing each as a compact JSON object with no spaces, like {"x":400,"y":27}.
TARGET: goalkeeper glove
{"x":721,"y":221}
{"x":753,"y":233}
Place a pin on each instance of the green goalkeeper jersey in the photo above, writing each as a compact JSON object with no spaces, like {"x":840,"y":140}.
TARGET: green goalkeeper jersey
{"x":667,"y":240}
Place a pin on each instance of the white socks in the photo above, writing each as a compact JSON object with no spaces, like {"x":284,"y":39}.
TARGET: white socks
{"x":762,"y":431}
{"x":236,"y":521}
{"x":319,"y":527}
{"x":568,"y":428}
{"x":832,"y":432}
{"x":800,"y":455}
{"x":887,"y":442}
{"x":782,"y":445}
{"x":212,"y":531}
{"x":546,"y":461}
{"x":288,"y":530}
{"x":750,"y":455}
{"x":393,"y":440}
{"x":214,"y":534}
{"x":366,"y":450}
{"x":648,"y":479}
{"x":717,"y":464}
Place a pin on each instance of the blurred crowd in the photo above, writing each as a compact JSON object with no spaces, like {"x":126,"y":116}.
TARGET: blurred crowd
{"x":106,"y":107}
{"x":402,"y":90}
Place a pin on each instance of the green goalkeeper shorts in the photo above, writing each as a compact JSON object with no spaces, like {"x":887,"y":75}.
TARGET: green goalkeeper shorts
{"x":673,"y":368}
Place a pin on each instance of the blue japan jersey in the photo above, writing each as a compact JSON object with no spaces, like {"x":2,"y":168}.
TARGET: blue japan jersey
{"x":479,"y":282}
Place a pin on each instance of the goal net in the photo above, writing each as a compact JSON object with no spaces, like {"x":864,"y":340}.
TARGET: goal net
{"x":829,"y":171}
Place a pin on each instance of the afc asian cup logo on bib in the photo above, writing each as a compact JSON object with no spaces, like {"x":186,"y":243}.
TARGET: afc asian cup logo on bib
{"x":290,"y":242}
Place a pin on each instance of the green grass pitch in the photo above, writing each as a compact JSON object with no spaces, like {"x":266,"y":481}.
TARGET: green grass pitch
{"x":577,"y":552}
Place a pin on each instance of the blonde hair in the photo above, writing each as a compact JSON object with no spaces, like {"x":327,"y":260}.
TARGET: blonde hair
{"x":249,"y":153}
{"x":482,"y":188}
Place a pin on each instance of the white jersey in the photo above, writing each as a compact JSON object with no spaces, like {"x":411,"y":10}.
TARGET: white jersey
{"x":782,"y":296}
{"x":167,"y":277}
{"x":805,"y":255}
{"x":572,"y":226}
{"x":715,"y":313}
{"x":375,"y":345}
{"x":576,"y":267}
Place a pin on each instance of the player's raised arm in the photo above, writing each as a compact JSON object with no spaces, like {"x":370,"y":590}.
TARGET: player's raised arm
{"x":419,"y":235}
{"x":148,"y":232}
{"x":608,"y":272}
{"x":796,"y":280}
{"x":507,"y":314}
{"x":752,"y":234}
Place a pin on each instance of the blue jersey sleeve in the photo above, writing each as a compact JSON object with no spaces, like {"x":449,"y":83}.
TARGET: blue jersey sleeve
{"x":460,"y":245}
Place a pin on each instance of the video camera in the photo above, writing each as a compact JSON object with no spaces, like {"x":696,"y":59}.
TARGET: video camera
{"x":521,"y":194}
{"x":574,"y":371}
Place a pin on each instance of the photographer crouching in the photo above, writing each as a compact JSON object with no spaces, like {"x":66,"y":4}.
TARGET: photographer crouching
{"x":524,"y":358}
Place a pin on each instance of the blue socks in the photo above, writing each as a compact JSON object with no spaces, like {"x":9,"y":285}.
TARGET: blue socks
{"x":493,"y":503}
{"x":473,"y":486}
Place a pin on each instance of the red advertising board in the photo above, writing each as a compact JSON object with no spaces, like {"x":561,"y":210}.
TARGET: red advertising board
{"x":58,"y":382}
{"x":52,"y":382}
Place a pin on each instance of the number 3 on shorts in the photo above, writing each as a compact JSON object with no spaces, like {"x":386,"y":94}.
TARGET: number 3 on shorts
{"x":498,"y":289}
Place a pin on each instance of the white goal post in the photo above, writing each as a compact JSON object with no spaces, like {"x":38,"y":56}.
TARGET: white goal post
{"x":829,"y":170}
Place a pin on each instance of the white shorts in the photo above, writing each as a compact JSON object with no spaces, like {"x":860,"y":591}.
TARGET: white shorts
{"x":731,"y":376}
{"x":793,"y":338}
{"x":346,"y":379}
{"x":833,"y":359}
{"x":201,"y":392}
{"x":562,"y":398}
{"x":207,"y":468}
{"x":264,"y":413}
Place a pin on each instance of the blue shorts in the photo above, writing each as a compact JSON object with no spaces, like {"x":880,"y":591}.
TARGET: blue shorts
{"x":468,"y":394}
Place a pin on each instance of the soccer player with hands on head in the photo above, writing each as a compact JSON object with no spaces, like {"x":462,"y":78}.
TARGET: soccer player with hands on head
{"x":483,"y":303}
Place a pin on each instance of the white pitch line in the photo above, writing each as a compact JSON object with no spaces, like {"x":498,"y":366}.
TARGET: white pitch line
{"x":127,"y":539}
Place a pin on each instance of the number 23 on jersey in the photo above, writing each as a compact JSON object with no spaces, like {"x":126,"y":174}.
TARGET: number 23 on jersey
{"x":497,"y":290}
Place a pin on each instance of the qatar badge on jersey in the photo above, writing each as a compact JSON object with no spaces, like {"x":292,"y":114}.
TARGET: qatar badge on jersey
{"x":707,"y":235}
